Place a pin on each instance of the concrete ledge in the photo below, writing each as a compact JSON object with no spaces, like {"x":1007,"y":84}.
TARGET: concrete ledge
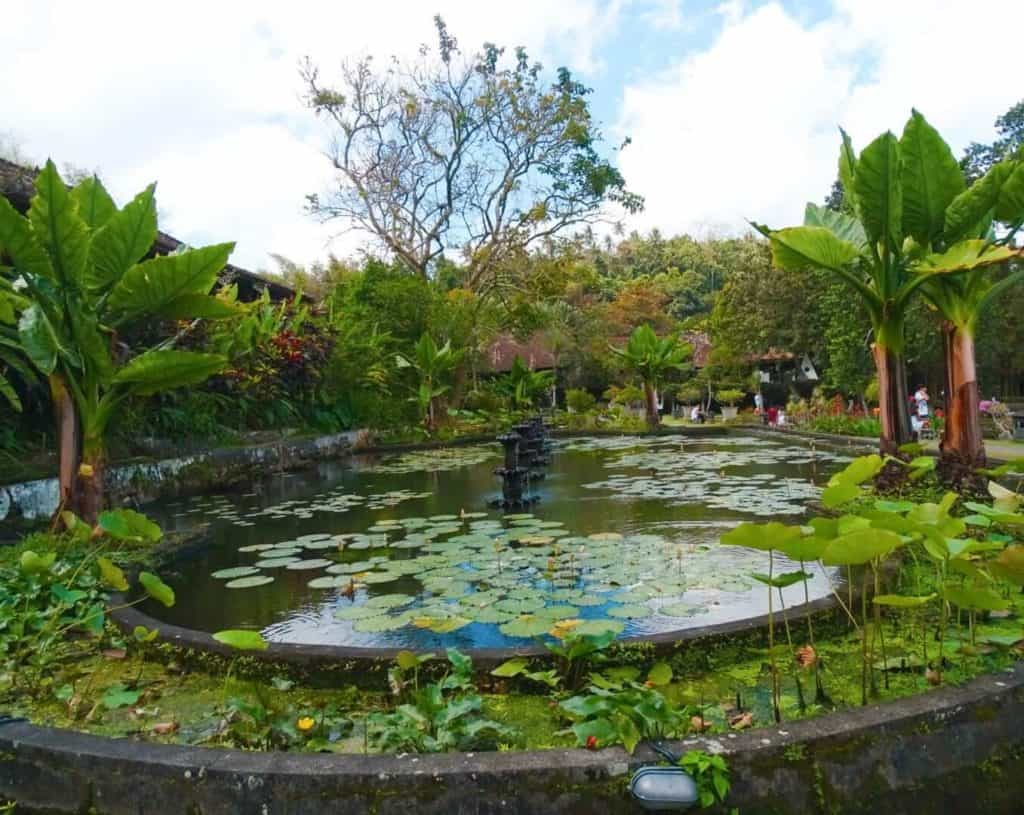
{"x":139,"y":482}
{"x":951,"y":750}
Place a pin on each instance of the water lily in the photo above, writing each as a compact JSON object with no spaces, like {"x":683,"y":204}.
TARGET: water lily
{"x":306,"y":723}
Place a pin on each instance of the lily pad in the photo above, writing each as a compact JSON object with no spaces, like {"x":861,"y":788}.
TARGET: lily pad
{"x":525,"y":627}
{"x":275,"y":563}
{"x":313,"y":563}
{"x":682,"y":610}
{"x":249,"y":582}
{"x":237,"y":571}
{"x":630,"y":611}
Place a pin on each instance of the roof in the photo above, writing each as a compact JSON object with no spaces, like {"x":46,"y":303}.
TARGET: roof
{"x":506,"y":347}
{"x":17,"y":184}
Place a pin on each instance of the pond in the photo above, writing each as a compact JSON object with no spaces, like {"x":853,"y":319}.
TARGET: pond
{"x":402,"y":550}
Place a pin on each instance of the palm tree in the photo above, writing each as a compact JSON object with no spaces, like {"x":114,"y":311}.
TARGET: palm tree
{"x":78,"y":272}
{"x":651,"y":359}
{"x":431,"y":365}
{"x":913,"y":222}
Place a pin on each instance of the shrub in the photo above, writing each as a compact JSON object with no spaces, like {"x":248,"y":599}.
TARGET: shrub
{"x":730,"y":396}
{"x":579,"y":400}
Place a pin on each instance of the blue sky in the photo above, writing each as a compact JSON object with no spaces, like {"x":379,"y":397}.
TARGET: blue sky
{"x":732,"y":106}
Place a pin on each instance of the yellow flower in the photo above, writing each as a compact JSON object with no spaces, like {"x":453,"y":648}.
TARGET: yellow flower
{"x":306,"y":723}
{"x":85,"y":470}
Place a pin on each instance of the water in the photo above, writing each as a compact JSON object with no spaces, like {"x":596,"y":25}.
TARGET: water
{"x":625,"y":537}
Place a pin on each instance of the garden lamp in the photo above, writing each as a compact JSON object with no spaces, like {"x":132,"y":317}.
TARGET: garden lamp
{"x":663,"y":789}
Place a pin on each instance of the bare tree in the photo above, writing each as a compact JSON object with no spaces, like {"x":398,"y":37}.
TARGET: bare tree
{"x":462,"y":153}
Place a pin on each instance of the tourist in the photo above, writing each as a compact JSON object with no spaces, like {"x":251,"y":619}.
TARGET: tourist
{"x":921,"y":400}
{"x":758,"y":403}
{"x":773,"y":416}
{"x":697,"y":415}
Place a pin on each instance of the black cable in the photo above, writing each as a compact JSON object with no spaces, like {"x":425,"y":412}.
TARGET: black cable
{"x":664,"y":752}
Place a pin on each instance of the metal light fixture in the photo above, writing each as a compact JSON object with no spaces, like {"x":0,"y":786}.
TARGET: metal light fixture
{"x":664,"y":789}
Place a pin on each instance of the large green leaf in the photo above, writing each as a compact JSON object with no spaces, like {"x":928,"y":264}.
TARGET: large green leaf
{"x":191,"y":306}
{"x":966,"y":255}
{"x":111,"y":575}
{"x":1010,"y":203}
{"x":799,"y":247}
{"x":19,"y":242}
{"x":129,"y":525}
{"x":879,"y":191}
{"x":973,"y":206}
{"x":150,"y":286}
{"x":860,"y":547}
{"x":162,"y":370}
{"x":859,"y":470}
{"x":843,"y":226}
{"x":838,"y":494}
{"x":8,"y":392}
{"x":931,"y":179}
{"x":847,"y":165}
{"x":974,"y":597}
{"x":771,"y":535}
{"x":123,"y":240}
{"x":61,"y":231}
{"x":157,"y":589}
{"x":95,"y":206}
{"x":242,"y":640}
{"x":38,"y":339}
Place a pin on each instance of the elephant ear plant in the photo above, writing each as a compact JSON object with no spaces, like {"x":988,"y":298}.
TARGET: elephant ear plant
{"x":912,"y":225}
{"x":78,"y":268}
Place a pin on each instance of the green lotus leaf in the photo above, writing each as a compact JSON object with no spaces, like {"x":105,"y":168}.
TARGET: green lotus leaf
{"x":630,"y":611}
{"x":237,"y":571}
{"x":249,"y":582}
{"x":525,"y":627}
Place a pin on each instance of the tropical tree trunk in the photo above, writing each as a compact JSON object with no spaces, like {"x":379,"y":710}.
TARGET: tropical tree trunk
{"x":651,"y":400}
{"x":69,"y":443}
{"x":962,"y":442}
{"x":892,"y":399}
{"x":91,"y":472}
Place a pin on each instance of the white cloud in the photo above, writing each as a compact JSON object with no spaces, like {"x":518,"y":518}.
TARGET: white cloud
{"x":205,"y":96}
{"x":747,"y":127}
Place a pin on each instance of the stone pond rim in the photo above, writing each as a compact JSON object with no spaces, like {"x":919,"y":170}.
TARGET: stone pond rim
{"x":317,"y":656}
{"x":957,"y":749}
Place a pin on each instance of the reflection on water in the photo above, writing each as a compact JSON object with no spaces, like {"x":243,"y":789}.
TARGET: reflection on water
{"x":402,"y":550}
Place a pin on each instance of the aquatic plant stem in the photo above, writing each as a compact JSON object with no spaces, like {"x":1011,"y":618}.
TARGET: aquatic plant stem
{"x":771,"y":642}
{"x":801,"y":702}
{"x":878,"y":626}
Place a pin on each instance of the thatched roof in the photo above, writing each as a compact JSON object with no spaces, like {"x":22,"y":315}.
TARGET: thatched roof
{"x":505,"y":348}
{"x":17,"y":184}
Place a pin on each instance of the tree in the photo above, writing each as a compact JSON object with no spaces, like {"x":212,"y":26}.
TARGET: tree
{"x":906,"y":196}
{"x":651,"y":359}
{"x":978,"y":159}
{"x":432,"y":365}
{"x":80,"y":279}
{"x":463,"y":152}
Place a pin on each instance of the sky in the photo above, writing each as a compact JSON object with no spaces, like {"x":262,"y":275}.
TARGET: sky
{"x":732,"y":107}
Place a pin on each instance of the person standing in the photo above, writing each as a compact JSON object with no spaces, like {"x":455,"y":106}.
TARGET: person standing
{"x":921,"y":400}
{"x":758,"y":403}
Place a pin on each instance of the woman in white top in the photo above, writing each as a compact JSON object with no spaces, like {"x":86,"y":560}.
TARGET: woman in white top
{"x":921,"y":398}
